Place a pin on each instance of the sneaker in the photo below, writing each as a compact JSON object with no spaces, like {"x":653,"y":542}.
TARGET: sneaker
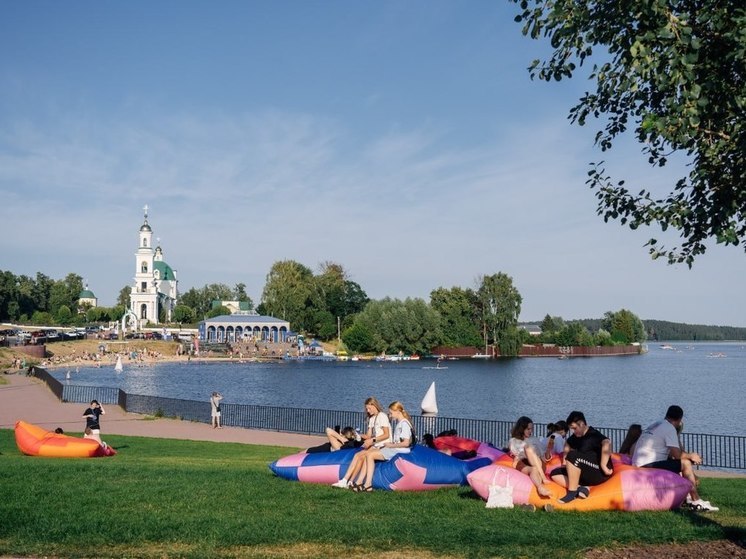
{"x":703,"y":506}
{"x":342,"y":484}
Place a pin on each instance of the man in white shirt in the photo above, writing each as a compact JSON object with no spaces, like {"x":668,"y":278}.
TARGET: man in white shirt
{"x":659,"y":447}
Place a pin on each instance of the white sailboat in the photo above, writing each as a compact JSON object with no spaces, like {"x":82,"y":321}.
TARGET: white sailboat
{"x":429,"y":403}
{"x":118,"y":367}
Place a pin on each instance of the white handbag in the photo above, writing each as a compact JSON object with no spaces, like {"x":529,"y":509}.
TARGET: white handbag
{"x":500,"y":496}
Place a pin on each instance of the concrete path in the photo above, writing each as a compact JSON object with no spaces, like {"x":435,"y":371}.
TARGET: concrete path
{"x":29,"y":399}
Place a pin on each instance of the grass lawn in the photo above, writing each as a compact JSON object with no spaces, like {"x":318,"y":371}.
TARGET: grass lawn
{"x":167,"y":498}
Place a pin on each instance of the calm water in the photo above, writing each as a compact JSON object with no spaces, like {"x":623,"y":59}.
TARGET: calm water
{"x":612,"y":391}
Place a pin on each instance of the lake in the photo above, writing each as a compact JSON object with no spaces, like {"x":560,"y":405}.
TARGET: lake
{"x":707,"y":379}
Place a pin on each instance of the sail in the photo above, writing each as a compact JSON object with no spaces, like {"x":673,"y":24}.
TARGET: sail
{"x":429,"y":403}
{"x":118,"y":367}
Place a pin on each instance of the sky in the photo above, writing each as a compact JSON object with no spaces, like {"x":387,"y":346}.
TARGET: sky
{"x":402,"y":140}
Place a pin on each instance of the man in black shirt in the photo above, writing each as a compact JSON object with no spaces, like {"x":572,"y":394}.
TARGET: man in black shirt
{"x":587,"y":458}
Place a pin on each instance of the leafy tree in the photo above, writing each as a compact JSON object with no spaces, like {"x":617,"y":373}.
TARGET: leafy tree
{"x":499,"y":304}
{"x":551,"y":324}
{"x":625,"y":327}
{"x":200,"y":300}
{"x":219,"y":310}
{"x":42,"y":318}
{"x":9,"y":308}
{"x":98,"y":314}
{"x":123,"y":299}
{"x":183,"y":313}
{"x":64,"y":315}
{"x":392,"y":325}
{"x":287,"y":292}
{"x":458,"y":311}
{"x":116,"y":312}
{"x":358,"y":337}
{"x":510,"y":341}
{"x":676,"y":71}
{"x":65,"y":292}
{"x":239,"y":293}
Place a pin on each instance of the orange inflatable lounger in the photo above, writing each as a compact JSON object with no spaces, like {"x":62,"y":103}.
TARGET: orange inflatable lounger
{"x":35,"y":441}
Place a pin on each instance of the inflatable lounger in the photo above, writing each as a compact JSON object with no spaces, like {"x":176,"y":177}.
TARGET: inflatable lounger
{"x":420,"y":469}
{"x":32,"y":440}
{"x":458,"y":446}
{"x":629,"y":489}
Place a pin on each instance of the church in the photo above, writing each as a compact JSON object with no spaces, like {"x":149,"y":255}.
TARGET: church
{"x":154,"y":292}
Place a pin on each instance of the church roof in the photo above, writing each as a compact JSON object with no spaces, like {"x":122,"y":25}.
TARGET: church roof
{"x":86,"y":294}
{"x":165,"y":271}
{"x":242,"y":318}
{"x":145,"y":226}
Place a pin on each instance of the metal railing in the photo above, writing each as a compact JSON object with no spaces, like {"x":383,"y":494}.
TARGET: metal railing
{"x":717,"y":451}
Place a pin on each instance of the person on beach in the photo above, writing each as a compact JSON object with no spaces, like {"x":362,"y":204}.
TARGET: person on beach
{"x":526,"y":452}
{"x":338,"y":440}
{"x":587,"y":459}
{"x":401,"y":444}
{"x":92,"y":415}
{"x":659,"y":447}
{"x":215,"y":409}
{"x":378,"y":433}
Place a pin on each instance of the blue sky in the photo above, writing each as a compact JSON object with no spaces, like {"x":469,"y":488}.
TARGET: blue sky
{"x":403,"y":140}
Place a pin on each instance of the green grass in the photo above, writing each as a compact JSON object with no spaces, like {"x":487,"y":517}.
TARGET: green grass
{"x":167,"y":498}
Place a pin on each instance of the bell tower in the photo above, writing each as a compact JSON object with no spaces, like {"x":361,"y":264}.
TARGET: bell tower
{"x":144,"y":295}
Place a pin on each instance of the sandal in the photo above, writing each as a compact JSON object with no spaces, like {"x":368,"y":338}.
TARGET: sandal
{"x":583,"y":492}
{"x":363,"y":489}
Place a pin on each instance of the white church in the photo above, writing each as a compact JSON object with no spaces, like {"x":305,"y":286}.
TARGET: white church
{"x":154,"y":291}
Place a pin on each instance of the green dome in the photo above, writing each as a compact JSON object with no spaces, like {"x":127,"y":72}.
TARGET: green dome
{"x":86,"y":294}
{"x":164,"y":270}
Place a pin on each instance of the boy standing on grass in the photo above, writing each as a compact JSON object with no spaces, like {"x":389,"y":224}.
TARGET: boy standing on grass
{"x":91,"y":416}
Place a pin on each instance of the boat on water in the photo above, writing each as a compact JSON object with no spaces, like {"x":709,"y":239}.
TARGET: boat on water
{"x":119,"y":367}
{"x":429,"y":403}
{"x":666,"y":346}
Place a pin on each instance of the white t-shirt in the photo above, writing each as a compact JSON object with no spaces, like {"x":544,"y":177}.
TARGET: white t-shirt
{"x":655,"y":443}
{"x":376,"y":423}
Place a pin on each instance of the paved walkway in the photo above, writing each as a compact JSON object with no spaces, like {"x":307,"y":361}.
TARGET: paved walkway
{"x":29,"y":399}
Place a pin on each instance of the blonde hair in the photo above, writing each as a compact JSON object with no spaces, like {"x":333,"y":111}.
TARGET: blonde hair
{"x":398,"y":406}
{"x":375,"y":403}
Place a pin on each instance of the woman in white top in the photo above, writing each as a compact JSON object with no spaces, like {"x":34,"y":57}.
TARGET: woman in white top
{"x":526,"y":454}
{"x":379,"y":433}
{"x":400,"y":444}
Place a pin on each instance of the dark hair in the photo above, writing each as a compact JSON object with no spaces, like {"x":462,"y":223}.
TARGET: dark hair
{"x":520,"y":427}
{"x":675,"y":413}
{"x":551,"y":428}
{"x":429,"y":441}
{"x":59,"y":431}
{"x":94,"y":402}
{"x":348,"y":433}
{"x":633,"y":433}
{"x":562,"y":426}
{"x":576,"y":416}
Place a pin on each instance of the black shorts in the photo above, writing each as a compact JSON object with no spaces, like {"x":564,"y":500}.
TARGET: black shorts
{"x":672,"y":465}
{"x":590,"y":471}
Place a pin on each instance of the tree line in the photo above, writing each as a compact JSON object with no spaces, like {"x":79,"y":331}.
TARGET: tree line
{"x":327,"y":304}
